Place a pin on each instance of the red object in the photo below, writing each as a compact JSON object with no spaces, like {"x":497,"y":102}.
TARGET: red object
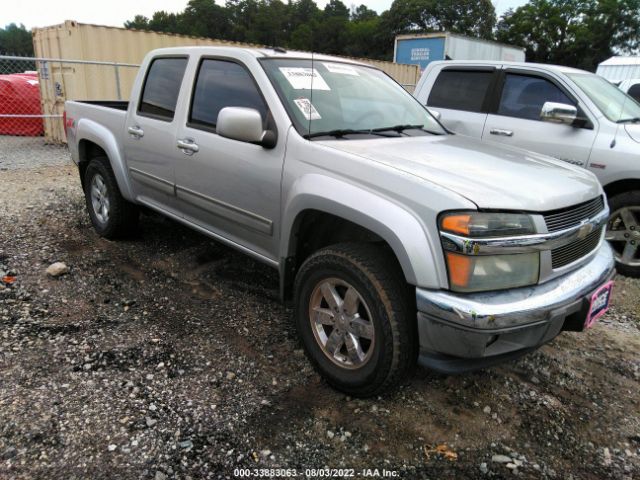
{"x":599,"y":304}
{"x":20,"y":95}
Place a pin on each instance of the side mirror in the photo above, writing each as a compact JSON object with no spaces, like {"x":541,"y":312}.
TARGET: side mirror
{"x":245,"y":125}
{"x":436,"y":114}
{"x":558,"y":113}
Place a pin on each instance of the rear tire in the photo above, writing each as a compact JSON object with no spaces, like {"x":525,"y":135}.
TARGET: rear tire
{"x":111,"y":215}
{"x":356,"y":318}
{"x":623,"y":232}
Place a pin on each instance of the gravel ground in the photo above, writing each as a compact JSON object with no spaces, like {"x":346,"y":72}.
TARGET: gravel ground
{"x":168,"y":356}
{"x":29,"y":152}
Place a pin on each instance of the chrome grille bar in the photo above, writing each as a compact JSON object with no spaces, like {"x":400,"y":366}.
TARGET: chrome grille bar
{"x":570,"y":217}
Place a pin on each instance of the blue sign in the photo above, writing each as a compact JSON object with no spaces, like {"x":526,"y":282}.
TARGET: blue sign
{"x":420,"y":51}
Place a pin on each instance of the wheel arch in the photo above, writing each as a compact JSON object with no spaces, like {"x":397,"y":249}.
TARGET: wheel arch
{"x":351,"y":214}
{"x":95,"y":140}
{"x":621,"y":186}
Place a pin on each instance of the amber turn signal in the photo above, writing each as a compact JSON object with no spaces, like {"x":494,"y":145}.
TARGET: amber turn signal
{"x":457,"y":224}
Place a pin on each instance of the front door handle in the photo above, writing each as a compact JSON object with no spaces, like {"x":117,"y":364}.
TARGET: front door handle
{"x":188,"y":146}
{"x":501,"y":132}
{"x":136,"y":132}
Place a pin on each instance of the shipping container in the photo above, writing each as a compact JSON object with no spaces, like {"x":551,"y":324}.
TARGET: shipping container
{"x":422,"y":49}
{"x":619,"y":69}
{"x":98,"y":43}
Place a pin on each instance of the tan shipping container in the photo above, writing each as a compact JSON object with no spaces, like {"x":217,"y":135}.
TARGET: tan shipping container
{"x":98,"y":43}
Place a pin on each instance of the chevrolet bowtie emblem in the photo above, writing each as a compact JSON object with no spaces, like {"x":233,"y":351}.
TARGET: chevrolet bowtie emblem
{"x":585,"y":229}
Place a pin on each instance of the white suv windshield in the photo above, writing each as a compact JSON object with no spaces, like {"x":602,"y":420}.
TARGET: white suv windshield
{"x":616,"y":105}
{"x":346,"y":100}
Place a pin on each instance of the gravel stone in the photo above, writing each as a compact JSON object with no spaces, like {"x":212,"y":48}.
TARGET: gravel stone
{"x":57,"y":269}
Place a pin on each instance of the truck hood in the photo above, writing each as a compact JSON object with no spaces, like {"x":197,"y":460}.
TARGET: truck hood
{"x":490,"y":175}
{"x":633,"y":129}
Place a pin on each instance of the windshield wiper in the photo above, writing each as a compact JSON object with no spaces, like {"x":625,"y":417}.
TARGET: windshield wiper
{"x":402,"y":128}
{"x":399,"y":128}
{"x":629,"y":120}
{"x":339,"y":133}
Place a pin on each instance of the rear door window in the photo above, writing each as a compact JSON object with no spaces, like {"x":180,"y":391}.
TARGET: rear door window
{"x":461,"y":89}
{"x":524,"y":95}
{"x":162,"y":87}
{"x":221,"y":84}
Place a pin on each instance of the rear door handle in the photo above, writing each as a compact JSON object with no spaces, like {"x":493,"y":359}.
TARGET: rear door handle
{"x":136,"y":132}
{"x":188,"y":146}
{"x":501,"y":132}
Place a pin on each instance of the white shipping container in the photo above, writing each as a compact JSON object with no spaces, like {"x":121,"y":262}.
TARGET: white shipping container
{"x":618,"y":69}
{"x":422,"y":49}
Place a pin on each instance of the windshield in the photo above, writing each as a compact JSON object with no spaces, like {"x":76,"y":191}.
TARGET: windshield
{"x":613,"y":103}
{"x":347,"y":100}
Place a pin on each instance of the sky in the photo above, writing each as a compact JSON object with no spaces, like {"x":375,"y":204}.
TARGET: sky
{"x":41,"y":13}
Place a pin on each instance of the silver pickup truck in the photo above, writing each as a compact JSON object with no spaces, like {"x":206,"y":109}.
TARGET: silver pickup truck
{"x":397,"y":241}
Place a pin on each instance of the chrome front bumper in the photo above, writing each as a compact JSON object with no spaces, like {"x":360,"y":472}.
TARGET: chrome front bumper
{"x":457,"y":330}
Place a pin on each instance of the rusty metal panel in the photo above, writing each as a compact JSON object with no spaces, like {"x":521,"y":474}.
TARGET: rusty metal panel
{"x":97,"y":43}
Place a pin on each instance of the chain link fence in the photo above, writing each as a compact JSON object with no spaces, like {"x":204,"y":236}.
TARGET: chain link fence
{"x":32,"y":96}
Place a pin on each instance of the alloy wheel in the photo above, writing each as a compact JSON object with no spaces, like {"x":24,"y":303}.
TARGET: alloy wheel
{"x":623,"y":232}
{"x":100,"y":198}
{"x":342,"y":324}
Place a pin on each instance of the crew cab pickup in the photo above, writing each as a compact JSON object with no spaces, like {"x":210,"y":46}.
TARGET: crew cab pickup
{"x":570,"y":114}
{"x":395,"y":240}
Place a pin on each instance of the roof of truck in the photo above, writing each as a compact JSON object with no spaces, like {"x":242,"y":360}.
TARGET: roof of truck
{"x":544,"y":66}
{"x":263,"y":52}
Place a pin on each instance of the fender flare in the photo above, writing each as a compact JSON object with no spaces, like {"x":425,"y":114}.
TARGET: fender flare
{"x":396,"y":225}
{"x":105,"y":139}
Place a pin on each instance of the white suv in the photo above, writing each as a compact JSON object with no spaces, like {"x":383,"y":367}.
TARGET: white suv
{"x":569,"y":114}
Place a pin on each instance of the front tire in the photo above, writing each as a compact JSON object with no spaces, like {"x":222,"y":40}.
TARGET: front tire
{"x":356,"y":318}
{"x":623,"y":232}
{"x":111,"y":215}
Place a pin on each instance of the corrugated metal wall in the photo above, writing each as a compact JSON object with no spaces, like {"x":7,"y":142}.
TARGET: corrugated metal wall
{"x":619,"y":73}
{"x":77,"y":41}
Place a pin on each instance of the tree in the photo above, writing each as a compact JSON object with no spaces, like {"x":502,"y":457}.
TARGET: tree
{"x":270,"y":26}
{"x":304,"y":17}
{"x":362,"y":13}
{"x":16,"y":40}
{"x":476,"y":18}
{"x":165,"y":22}
{"x":578,"y":33}
{"x":242,"y":15}
{"x":139,"y":22}
{"x":204,"y":18}
{"x":332,"y":33}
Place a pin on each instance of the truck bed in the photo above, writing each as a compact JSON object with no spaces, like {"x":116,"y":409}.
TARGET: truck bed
{"x":106,"y":113}
{"x":117,"y":104}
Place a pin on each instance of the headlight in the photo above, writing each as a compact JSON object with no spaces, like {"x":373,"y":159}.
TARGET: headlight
{"x":484,"y":224}
{"x":469,"y":272}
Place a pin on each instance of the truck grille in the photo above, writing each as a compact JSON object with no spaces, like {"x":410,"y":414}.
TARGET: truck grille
{"x":567,"y":254}
{"x":570,"y":217}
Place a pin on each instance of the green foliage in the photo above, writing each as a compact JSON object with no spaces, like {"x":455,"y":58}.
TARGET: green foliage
{"x":476,"y":18}
{"x":578,"y":33}
{"x":15,"y":40}
{"x":336,"y":29}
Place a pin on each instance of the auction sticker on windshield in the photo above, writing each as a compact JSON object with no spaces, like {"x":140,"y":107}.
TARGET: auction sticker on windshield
{"x":342,"y":69}
{"x":599,"y":304}
{"x":304,"y":78}
{"x":307,"y":109}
